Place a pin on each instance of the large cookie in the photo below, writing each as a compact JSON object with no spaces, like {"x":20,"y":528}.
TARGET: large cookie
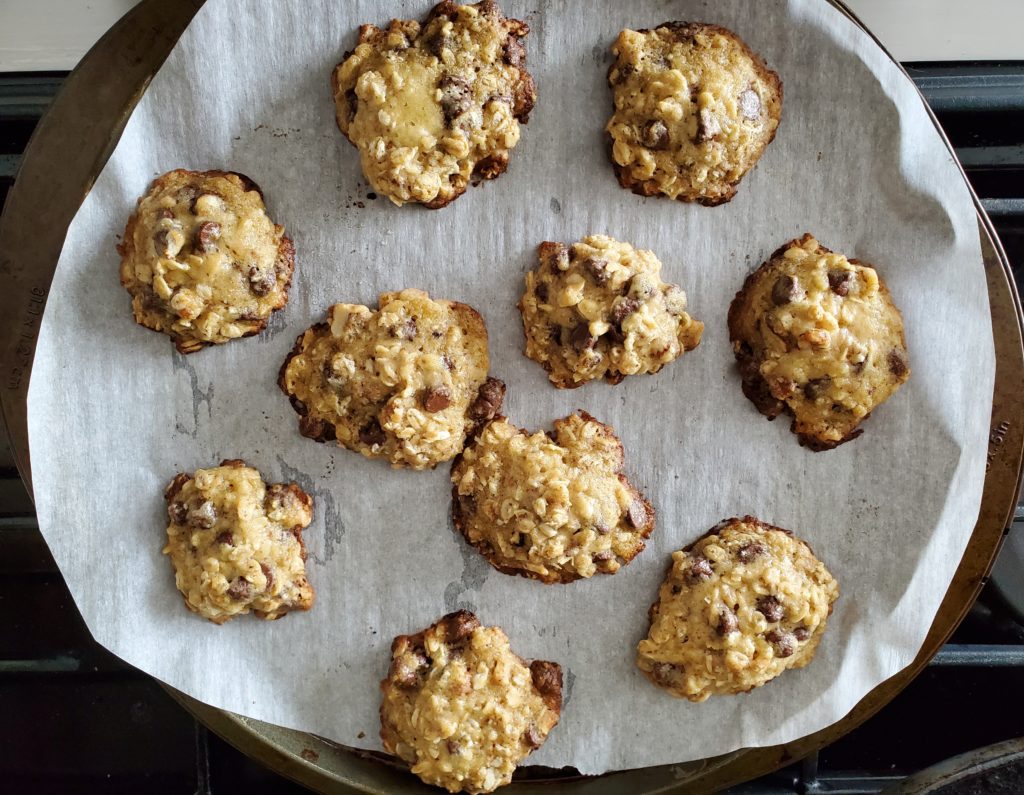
{"x":599,"y":309}
{"x":434,"y":106}
{"x":462,"y":708}
{"x":553,"y":507}
{"x":695,"y":109}
{"x":236,"y":543}
{"x":406,"y":383}
{"x":818,"y":336}
{"x":740,"y":606}
{"x":202,"y":261}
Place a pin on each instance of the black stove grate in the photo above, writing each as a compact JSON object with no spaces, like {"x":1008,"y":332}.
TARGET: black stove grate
{"x":73,"y":716}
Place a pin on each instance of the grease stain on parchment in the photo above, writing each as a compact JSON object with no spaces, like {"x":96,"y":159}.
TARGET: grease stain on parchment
{"x":199,"y":396}
{"x":323,"y":501}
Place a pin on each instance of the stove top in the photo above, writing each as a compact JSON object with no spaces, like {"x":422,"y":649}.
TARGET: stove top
{"x":74,"y":717}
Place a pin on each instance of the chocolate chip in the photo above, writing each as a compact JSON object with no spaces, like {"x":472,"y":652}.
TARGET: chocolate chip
{"x":727,"y":623}
{"x":541,"y":290}
{"x":261,"y":282}
{"x":547,"y":678}
{"x":581,"y":338}
{"x":623,"y":309}
{"x":405,"y":669}
{"x":162,"y":243}
{"x":488,"y":401}
{"x":801,"y":633}
{"x":269,"y":574}
{"x":459,"y":626}
{"x":164,"y":214}
{"x":372,"y":434}
{"x":597,"y":268}
{"x":677,"y":588}
{"x":226,"y":538}
{"x":784,"y":642}
{"x":533,"y":737}
{"x":437,"y":44}
{"x":817,"y":387}
{"x":752,"y":550}
{"x":700,"y":570}
{"x":407,"y":331}
{"x":784,"y":290}
{"x":602,"y":556}
{"x":456,"y":97}
{"x":839,"y":281}
{"x":178,"y":512}
{"x":897,"y":364}
{"x":207,"y":236}
{"x":515,"y":52}
{"x":453,"y":747}
{"x":654,"y":135}
{"x":750,"y":104}
{"x":316,"y":428}
{"x":771,"y":608}
{"x":708,"y":125}
{"x":637,"y":514}
{"x":663,"y":673}
{"x":204,"y":515}
{"x":240,"y":590}
{"x":436,"y":399}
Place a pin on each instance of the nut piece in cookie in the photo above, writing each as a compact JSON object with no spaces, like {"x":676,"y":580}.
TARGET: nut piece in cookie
{"x":818,"y":336}
{"x":738,"y":607}
{"x":599,"y":309}
{"x":695,"y":109}
{"x":433,"y":106}
{"x":554,"y":507}
{"x":236,"y":543}
{"x":462,"y":708}
{"x":406,"y":383}
{"x":202,"y":260}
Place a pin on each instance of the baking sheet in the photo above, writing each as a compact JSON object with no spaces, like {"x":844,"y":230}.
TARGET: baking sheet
{"x":114,"y":412}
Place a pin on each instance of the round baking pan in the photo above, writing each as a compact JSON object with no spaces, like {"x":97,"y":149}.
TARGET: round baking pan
{"x":67,"y":151}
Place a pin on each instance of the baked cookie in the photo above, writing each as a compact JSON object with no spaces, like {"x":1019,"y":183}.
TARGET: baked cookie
{"x":434,"y":106}
{"x":461,"y":708}
{"x":554,"y":507}
{"x":236,"y":543}
{"x":407,"y":382}
{"x":738,"y":607}
{"x":599,"y":309}
{"x":203,"y":261}
{"x":818,"y":336}
{"x":695,"y":108}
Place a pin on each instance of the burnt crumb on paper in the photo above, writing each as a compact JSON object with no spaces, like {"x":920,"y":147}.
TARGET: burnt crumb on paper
{"x":324,"y":505}
{"x":199,"y":396}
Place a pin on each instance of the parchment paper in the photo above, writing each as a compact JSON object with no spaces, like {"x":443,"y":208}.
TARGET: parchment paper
{"x":115,"y":413}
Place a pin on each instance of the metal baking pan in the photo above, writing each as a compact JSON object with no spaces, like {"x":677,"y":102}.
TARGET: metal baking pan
{"x":67,"y":151}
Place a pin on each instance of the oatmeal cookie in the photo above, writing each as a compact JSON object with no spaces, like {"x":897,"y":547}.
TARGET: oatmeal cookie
{"x":434,"y":106}
{"x":738,"y":607}
{"x":818,"y":336}
{"x":553,"y":507}
{"x":599,"y":309}
{"x":202,"y":260}
{"x":695,"y":109}
{"x":236,"y":543}
{"x":406,"y":383}
{"x":461,"y":708}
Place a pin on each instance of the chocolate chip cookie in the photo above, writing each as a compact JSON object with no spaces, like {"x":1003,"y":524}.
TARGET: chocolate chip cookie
{"x":236,"y":543}
{"x":599,"y":309}
{"x":695,"y":109}
{"x":554,"y":507}
{"x":740,"y":606}
{"x":819,"y":337}
{"x":406,"y":382}
{"x":202,"y":260}
{"x":436,"y":105}
{"x":462,"y":708}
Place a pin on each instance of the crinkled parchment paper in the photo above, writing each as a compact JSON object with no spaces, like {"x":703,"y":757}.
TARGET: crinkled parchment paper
{"x":114,"y":413}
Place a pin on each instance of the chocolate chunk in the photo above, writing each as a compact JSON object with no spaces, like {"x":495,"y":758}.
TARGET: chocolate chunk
{"x":840,"y":281}
{"x":784,"y":642}
{"x":178,"y":512}
{"x":597,"y":268}
{"x":541,"y":291}
{"x":663,"y":673}
{"x":226,"y":537}
{"x":654,"y":135}
{"x":708,"y":125}
{"x":207,"y":236}
{"x":261,"y":282}
{"x":602,"y":556}
{"x":437,"y":44}
{"x":897,"y":364}
{"x":456,"y":97}
{"x":372,"y":434}
{"x":547,"y":678}
{"x":750,"y":551}
{"x":677,"y":588}
{"x":269,"y":574}
{"x":164,"y":214}
{"x":204,"y":515}
{"x":771,"y":608}
{"x":162,"y":243}
{"x":623,"y":309}
{"x":801,"y":633}
{"x":406,"y":669}
{"x":700,"y":570}
{"x":533,"y":737}
{"x":637,"y":514}
{"x":488,"y":401}
{"x":784,"y":290}
{"x":817,"y":387}
{"x":515,"y":52}
{"x":240,"y":590}
{"x":750,"y":104}
{"x":453,"y":747}
{"x":436,"y":399}
{"x":581,"y":338}
{"x":318,"y":429}
{"x":459,"y":626}
{"x":727,"y":623}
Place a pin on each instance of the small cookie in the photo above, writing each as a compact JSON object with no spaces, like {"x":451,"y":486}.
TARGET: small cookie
{"x":818,"y":336}
{"x":202,"y":260}
{"x":738,"y":607}
{"x":599,"y":309}
{"x":554,"y":507}
{"x":462,"y":708}
{"x":695,"y":109}
{"x":406,"y":383}
{"x":434,"y":106}
{"x":236,"y":543}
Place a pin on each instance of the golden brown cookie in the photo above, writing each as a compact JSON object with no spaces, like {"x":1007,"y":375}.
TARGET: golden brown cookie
{"x":695,"y":109}
{"x":740,"y":606}
{"x":599,"y":309}
{"x":202,"y":261}
{"x":462,"y":708}
{"x":236,"y":543}
{"x":405,"y":383}
{"x":818,"y":336}
{"x":434,"y":106}
{"x":554,"y":507}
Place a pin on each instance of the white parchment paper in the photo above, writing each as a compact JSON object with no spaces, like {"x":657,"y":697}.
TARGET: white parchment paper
{"x":114,"y":412}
